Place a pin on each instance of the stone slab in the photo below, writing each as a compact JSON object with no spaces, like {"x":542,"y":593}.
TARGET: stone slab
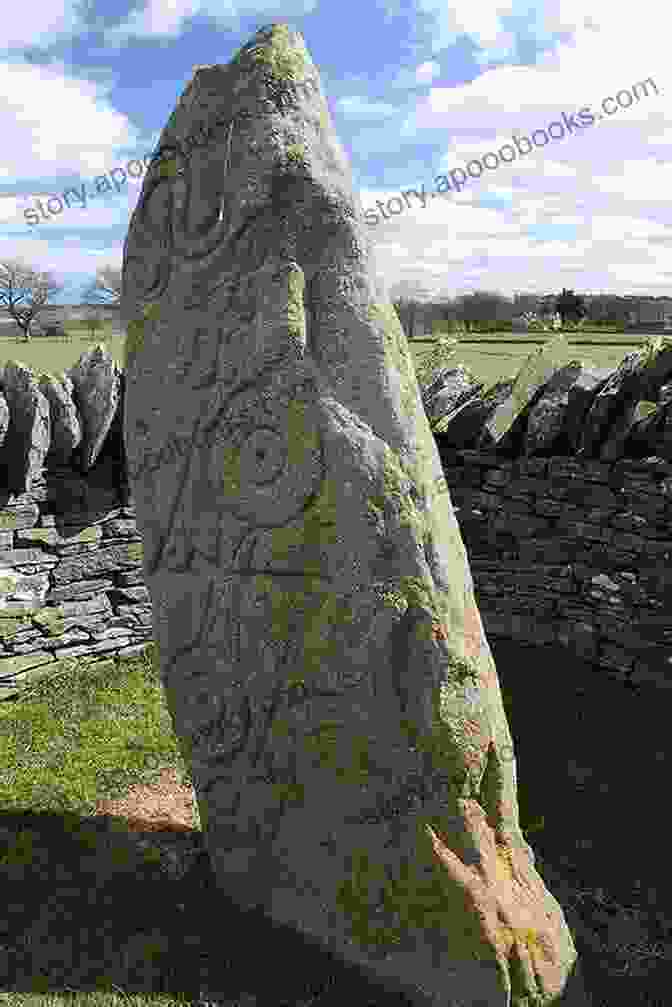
{"x":322,"y":654}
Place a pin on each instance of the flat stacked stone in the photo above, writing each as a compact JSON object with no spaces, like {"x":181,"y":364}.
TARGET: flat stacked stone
{"x":323,"y":657}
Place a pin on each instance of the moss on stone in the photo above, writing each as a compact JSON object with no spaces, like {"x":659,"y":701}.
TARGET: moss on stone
{"x":134,"y":551}
{"x":653,"y":346}
{"x":8,"y":584}
{"x":46,"y":535}
{"x":395,"y":481}
{"x":296,"y":152}
{"x":230,"y":469}
{"x":296,"y":315}
{"x":51,"y":618}
{"x":284,"y":60}
{"x":168,"y":169}
{"x":419,"y":898}
{"x":14,"y":622}
{"x":135,"y":330}
{"x":397,"y":353}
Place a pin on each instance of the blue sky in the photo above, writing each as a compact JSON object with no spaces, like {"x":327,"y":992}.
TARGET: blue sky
{"x":416,"y":89}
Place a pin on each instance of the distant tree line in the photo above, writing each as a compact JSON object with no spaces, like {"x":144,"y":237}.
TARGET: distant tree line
{"x":485,"y":311}
{"x":25,"y":294}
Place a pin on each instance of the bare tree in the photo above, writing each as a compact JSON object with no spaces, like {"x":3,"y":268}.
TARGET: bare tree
{"x":24,"y":293}
{"x":106,"y":288}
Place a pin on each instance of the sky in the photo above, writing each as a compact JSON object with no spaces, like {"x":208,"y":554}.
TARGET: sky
{"x":419,"y":91}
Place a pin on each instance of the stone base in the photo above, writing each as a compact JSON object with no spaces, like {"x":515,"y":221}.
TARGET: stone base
{"x":421,"y":972}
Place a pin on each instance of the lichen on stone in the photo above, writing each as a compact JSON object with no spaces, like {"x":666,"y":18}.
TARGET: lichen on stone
{"x":168,"y":169}
{"x":397,"y":352}
{"x":135,"y":330}
{"x":296,"y":314}
{"x":296,"y":152}
{"x":285,"y":61}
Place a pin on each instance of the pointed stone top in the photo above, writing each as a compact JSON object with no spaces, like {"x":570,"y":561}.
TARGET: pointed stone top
{"x":281,"y":48}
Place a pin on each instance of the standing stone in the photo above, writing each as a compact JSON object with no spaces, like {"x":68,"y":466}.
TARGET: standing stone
{"x":537,"y":371}
{"x":323,"y":658}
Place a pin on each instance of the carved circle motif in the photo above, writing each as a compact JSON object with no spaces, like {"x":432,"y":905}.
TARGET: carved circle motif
{"x":262,"y":457}
{"x":249,"y":466}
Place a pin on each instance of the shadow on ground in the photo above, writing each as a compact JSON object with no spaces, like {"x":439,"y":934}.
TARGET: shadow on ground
{"x":82,"y":908}
{"x":84,"y":913}
{"x":593,"y":760}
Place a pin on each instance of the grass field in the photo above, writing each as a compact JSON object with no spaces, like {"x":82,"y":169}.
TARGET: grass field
{"x":89,"y":917}
{"x":490,"y":358}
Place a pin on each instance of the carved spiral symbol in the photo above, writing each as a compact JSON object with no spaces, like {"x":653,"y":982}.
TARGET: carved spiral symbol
{"x":263,"y":456}
{"x":252,"y":472}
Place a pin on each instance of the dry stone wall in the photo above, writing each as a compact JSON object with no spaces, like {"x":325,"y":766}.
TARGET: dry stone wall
{"x":71,"y":579}
{"x":561,"y":478}
{"x":571,"y":550}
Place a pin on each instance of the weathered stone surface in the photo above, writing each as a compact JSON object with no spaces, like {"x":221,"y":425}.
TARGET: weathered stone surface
{"x":322,"y":654}
{"x":4,"y":418}
{"x":537,"y":370}
{"x":434,"y":367}
{"x":580,"y":398}
{"x":95,"y":379}
{"x":456,"y":388}
{"x":576,"y":409}
{"x":647,"y":428}
{"x":66,"y":428}
{"x":546,"y":419}
{"x":613,"y":446}
{"x":638,"y":377}
{"x":463,"y":426}
{"x":28,"y":436}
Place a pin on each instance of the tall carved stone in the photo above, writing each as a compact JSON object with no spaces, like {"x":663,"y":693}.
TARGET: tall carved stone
{"x":322,"y":654}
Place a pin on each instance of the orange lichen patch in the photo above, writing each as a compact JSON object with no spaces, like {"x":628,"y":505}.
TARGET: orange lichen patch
{"x":504,"y":899}
{"x":473,"y":640}
{"x":439,"y":631}
{"x":474,"y":644}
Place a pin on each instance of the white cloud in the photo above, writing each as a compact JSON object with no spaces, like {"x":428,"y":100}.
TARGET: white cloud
{"x":359,"y":109}
{"x":38,"y":23}
{"x":161,"y":18}
{"x":599,"y":196}
{"x":53,"y":123}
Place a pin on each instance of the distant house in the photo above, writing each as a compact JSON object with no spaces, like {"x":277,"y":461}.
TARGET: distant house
{"x":521,"y":323}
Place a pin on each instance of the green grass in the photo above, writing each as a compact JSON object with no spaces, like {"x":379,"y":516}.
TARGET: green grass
{"x":92,"y":735}
{"x":54,"y":355}
{"x":490,"y":358}
{"x":90,"y":917}
{"x":494,"y":358}
{"x":60,"y":741}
